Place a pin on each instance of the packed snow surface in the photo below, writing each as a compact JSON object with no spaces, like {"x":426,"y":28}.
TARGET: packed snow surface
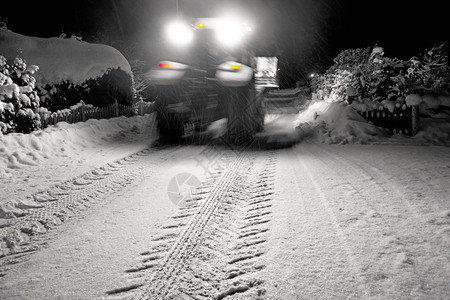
{"x":340,"y":220}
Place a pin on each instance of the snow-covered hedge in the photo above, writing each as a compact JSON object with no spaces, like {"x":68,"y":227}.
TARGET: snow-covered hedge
{"x":72,"y":70}
{"x":102,"y":91}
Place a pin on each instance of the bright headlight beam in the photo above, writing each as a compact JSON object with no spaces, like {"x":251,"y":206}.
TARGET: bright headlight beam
{"x":179,"y":33}
{"x":230,"y":32}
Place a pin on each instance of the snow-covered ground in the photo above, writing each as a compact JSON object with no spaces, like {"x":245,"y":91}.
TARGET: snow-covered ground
{"x":33,"y":162}
{"x":343,"y":212}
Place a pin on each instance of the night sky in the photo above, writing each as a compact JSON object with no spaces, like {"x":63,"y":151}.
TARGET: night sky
{"x":305,"y":34}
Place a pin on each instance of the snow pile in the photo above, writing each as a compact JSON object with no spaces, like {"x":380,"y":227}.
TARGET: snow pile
{"x":62,"y":59}
{"x":433,"y":131}
{"x":64,"y":150}
{"x":340,"y":123}
{"x":336,"y":123}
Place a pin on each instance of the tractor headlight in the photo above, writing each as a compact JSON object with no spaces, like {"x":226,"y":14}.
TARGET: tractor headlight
{"x":179,"y":33}
{"x":231,"y":32}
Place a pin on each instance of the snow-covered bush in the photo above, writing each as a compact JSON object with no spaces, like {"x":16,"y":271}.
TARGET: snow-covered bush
{"x":376,"y":77}
{"x":429,"y":74}
{"x":350,"y":59}
{"x":342,"y":79}
{"x":136,"y":59}
{"x":342,"y":74}
{"x":321,"y":85}
{"x":115,"y":84}
{"x":3,"y":23}
{"x":19,"y":102}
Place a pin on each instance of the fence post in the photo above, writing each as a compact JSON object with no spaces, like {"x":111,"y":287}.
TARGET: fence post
{"x":141,"y":108}
{"x":415,"y":119}
{"x":82,"y":111}
{"x":116,"y":108}
{"x":42,"y":120}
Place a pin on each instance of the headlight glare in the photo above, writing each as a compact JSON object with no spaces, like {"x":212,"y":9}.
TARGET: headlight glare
{"x":179,"y":33}
{"x":230,"y":32}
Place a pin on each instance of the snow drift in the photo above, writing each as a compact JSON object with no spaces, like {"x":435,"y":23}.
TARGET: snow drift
{"x":62,"y":59}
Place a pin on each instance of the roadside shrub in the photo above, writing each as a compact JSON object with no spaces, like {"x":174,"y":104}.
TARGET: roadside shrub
{"x":19,"y":101}
{"x":350,"y":59}
{"x":134,"y":56}
{"x":115,"y":84}
{"x":428,"y":74}
{"x":377,"y":78}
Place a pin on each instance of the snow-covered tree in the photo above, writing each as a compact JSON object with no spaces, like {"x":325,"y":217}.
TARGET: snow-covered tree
{"x":19,"y":101}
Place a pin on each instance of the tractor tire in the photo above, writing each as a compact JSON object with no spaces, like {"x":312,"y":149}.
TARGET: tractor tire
{"x":244,"y":113}
{"x":170,"y":125}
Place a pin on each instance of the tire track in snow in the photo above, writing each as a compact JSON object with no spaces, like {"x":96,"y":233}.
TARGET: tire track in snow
{"x":220,"y":234}
{"x":249,"y":232}
{"x":57,"y":204}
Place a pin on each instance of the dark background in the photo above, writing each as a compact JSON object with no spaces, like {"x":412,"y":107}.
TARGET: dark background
{"x":305,"y":34}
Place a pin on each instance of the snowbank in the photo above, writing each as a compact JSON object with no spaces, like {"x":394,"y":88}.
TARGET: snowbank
{"x":63,"y":151}
{"x":62,"y":59}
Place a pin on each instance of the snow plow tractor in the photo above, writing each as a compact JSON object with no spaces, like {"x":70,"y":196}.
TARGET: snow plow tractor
{"x":208,"y":75}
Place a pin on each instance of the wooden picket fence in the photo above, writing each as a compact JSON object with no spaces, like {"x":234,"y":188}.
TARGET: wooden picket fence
{"x":84,"y":112}
{"x":403,"y":121}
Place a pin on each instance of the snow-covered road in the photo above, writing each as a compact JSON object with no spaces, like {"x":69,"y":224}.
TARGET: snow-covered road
{"x":312,"y":221}
{"x":353,"y":222}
